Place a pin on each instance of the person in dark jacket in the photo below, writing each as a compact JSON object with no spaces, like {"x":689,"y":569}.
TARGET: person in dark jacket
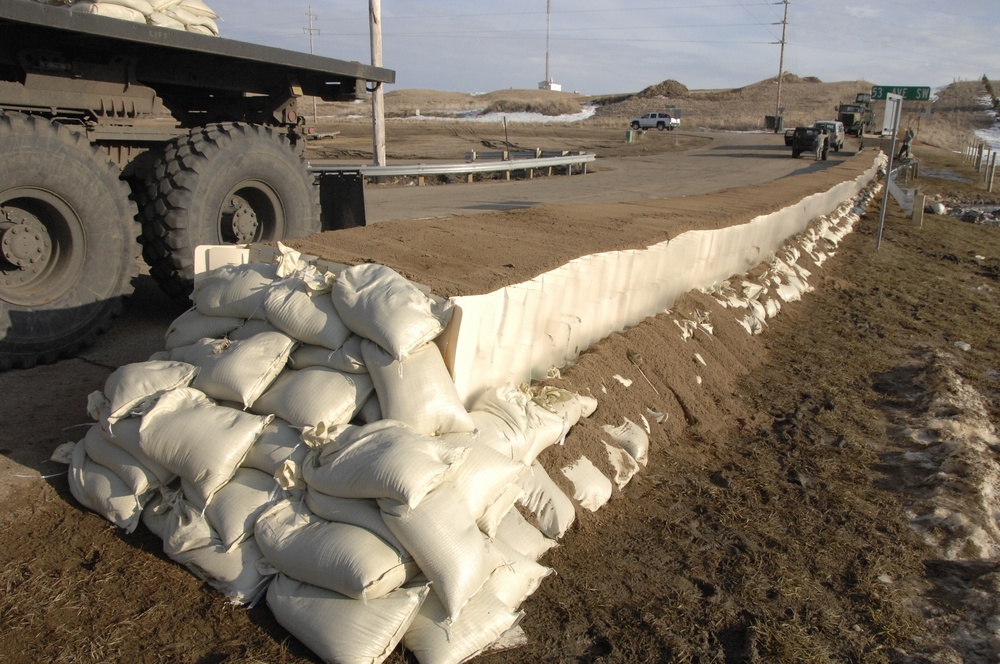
{"x":904,"y":149}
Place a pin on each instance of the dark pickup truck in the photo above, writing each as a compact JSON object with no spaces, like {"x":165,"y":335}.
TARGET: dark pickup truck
{"x":810,"y":139}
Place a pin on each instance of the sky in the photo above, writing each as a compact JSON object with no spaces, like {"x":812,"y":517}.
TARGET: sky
{"x":620,"y":46}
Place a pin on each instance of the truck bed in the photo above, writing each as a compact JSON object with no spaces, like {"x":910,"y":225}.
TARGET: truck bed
{"x":175,"y":57}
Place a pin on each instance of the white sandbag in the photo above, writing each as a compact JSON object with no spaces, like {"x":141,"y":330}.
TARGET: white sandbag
{"x":590,"y":487}
{"x":237,"y":505}
{"x":371,"y":410}
{"x":205,"y":26}
{"x":515,"y":581}
{"x":347,"y":358}
{"x":100,"y":490}
{"x":545,"y":429}
{"x":501,"y":416}
{"x":380,"y":304}
{"x":570,"y":406}
{"x":514,"y":532}
{"x":308,"y":317}
{"x":232,"y":572}
{"x":340,"y":629}
{"x":198,"y":440}
{"x":160,"y":5}
{"x":237,"y":371}
{"x":552,"y":508}
{"x":278,"y":443}
{"x":434,"y":639}
{"x":360,"y":512}
{"x":337,"y":556}
{"x":484,"y":479}
{"x":632,"y":438}
{"x":110,"y":10}
{"x":385,"y":459}
{"x":192,"y":326}
{"x":198,"y":8}
{"x":234,"y":290}
{"x":624,"y":465}
{"x":417,"y":390}
{"x":161,"y":20}
{"x":445,"y":541}
{"x":132,"y":388}
{"x":126,"y":436}
{"x":315,"y":395}
{"x":141,"y":6}
{"x":489,"y":522}
{"x":249,"y":329}
{"x":188,"y":539}
{"x":498,"y":433}
{"x":100,"y":450}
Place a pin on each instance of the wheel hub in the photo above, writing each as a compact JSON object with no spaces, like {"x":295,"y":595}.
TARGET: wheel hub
{"x":25,"y":246}
{"x":244,"y":221}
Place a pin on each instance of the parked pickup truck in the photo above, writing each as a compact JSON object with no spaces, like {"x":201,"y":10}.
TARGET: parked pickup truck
{"x":658,"y":121}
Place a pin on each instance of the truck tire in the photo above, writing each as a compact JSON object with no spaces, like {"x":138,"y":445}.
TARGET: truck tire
{"x":796,"y":153}
{"x":660,"y":126}
{"x":635,"y":125}
{"x":67,"y":242}
{"x":227,"y":183}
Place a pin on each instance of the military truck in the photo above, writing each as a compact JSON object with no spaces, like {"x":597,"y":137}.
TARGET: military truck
{"x":858,"y":118}
{"x":112,"y":132}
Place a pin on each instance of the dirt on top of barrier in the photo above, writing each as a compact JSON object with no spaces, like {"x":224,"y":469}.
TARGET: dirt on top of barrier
{"x":477,"y":254}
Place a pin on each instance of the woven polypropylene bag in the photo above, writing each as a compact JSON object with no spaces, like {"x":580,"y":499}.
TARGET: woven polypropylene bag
{"x":380,"y":304}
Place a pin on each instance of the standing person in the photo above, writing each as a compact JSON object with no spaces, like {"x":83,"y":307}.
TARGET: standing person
{"x":904,"y":149}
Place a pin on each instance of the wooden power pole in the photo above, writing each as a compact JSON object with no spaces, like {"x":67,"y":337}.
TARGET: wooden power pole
{"x":781,"y":67}
{"x":378,"y":100}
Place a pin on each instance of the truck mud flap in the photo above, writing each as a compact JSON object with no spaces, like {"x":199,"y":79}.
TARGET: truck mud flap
{"x":341,"y":199}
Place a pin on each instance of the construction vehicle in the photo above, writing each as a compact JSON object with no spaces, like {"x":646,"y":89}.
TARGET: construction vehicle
{"x":113,"y":131}
{"x":858,"y":118}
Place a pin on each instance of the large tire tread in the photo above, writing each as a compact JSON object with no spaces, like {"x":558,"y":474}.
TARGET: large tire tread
{"x":80,"y":326}
{"x":171,"y":225}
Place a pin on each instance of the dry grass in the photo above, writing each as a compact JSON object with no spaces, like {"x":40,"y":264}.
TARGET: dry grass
{"x":946,"y":122}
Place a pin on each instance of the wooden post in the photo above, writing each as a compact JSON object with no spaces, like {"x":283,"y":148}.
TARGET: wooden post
{"x":993,"y":170}
{"x":378,"y":100}
{"x":918,"y":209}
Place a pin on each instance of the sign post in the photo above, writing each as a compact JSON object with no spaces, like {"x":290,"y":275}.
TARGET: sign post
{"x":893,"y":106}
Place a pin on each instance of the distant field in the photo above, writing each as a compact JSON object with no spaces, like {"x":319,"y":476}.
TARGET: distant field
{"x":946,"y":122}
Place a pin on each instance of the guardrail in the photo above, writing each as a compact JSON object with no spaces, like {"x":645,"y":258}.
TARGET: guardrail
{"x":468,"y":168}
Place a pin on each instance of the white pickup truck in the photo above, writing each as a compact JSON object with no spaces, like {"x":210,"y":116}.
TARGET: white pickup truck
{"x":658,"y":121}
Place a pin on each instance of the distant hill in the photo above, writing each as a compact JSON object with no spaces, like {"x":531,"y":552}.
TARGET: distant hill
{"x":947,"y":121}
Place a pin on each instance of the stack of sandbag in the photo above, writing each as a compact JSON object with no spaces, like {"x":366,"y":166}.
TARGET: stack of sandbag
{"x":301,"y":436}
{"x":189,"y":15}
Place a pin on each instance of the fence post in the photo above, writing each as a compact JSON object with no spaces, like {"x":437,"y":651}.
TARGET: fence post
{"x":992,"y":171}
{"x":918,"y":209}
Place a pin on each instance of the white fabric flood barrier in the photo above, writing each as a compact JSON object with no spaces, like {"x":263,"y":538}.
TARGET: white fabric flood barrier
{"x":302,"y":438}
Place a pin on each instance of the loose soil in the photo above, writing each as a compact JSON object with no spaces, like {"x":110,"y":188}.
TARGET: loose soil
{"x":820,"y":492}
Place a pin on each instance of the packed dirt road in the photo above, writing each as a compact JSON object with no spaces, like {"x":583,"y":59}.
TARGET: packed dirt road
{"x":681,"y":165}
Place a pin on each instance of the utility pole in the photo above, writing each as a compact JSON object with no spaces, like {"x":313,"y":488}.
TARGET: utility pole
{"x":312,"y":31}
{"x":781,"y":67}
{"x":378,"y":101}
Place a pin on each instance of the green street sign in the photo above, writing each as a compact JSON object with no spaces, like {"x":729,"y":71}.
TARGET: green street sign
{"x":908,"y":93}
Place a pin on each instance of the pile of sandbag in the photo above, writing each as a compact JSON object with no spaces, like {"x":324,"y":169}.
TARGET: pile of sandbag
{"x":300,"y":438}
{"x":189,"y":15}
